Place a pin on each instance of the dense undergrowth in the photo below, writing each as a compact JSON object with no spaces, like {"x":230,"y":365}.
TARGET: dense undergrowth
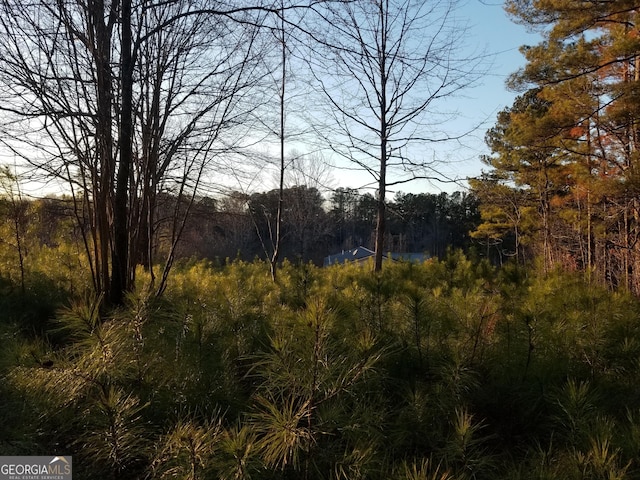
{"x":447,"y":370}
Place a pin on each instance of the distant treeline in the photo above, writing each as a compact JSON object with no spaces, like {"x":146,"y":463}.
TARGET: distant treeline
{"x":242,"y":225}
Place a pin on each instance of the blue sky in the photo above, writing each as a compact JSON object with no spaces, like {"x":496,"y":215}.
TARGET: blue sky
{"x":491,"y":30}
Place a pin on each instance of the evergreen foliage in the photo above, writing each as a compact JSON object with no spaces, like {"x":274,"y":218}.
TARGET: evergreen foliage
{"x":562,"y":180}
{"x":450,"y":369}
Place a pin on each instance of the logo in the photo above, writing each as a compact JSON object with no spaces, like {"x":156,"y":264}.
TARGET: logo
{"x":36,"y":468}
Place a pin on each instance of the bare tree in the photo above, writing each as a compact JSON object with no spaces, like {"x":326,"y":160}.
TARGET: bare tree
{"x":386,"y":66}
{"x":281,"y":34}
{"x":193,"y":110}
{"x":123,"y":101}
{"x":57,"y":77}
{"x":283,"y":23}
{"x":311,"y":170}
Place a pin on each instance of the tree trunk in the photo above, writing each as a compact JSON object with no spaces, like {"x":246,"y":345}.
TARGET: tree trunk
{"x":380,"y":225}
{"x":382,"y":172}
{"x":120,"y":282}
{"x":278,"y":240}
{"x":102,"y":174}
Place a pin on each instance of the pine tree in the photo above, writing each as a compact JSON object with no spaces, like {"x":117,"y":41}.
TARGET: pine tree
{"x":570,"y":141}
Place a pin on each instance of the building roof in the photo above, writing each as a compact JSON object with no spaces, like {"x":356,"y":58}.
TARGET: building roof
{"x":355,"y":255}
{"x":361,"y":254}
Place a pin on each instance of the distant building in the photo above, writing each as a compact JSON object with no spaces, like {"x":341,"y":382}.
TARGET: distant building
{"x":362,"y":254}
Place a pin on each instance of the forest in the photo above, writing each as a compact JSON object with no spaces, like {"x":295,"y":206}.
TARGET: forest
{"x":166,"y":314}
{"x":237,"y":226}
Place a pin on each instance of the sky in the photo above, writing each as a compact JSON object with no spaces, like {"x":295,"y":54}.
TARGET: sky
{"x":490,"y":30}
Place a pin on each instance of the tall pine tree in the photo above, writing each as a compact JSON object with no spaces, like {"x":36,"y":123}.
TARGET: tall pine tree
{"x":572,"y":139}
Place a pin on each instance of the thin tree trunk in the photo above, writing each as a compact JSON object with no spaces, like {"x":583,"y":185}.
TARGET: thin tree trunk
{"x":120,"y":250}
{"x":278,"y":239}
{"x":380,"y":224}
{"x":102,"y":174}
{"x":382,"y":181}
